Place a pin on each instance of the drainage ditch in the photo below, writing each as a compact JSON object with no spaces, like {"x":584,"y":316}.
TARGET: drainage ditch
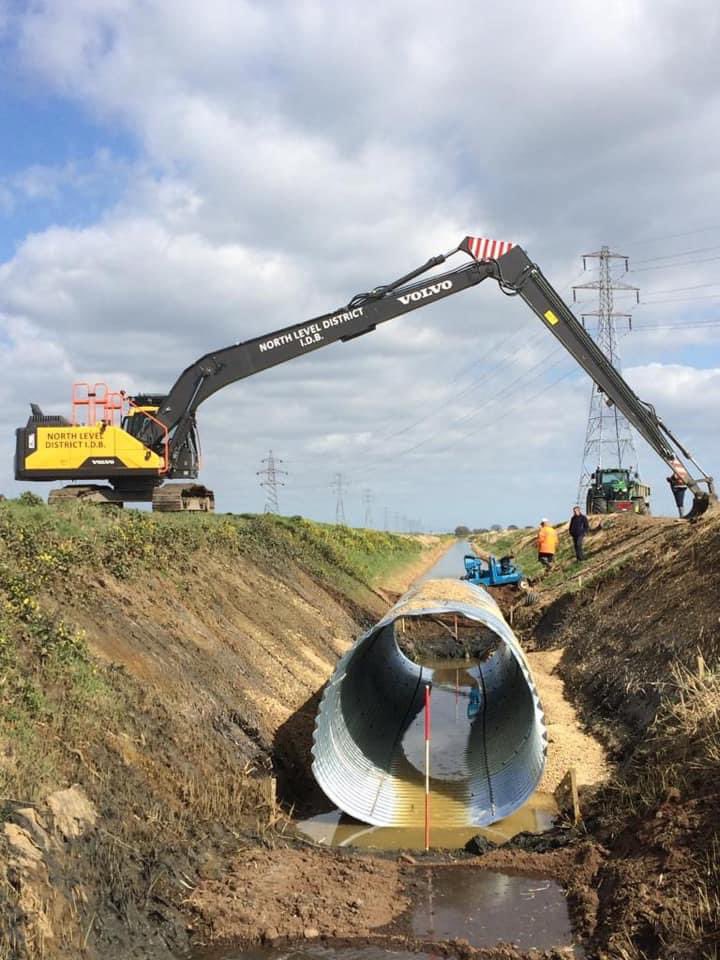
{"x":488,"y":748}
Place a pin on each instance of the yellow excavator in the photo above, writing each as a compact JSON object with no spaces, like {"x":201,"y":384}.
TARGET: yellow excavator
{"x":136,"y":444}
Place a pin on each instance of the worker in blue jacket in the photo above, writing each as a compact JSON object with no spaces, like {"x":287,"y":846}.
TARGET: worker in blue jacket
{"x":579,"y":526}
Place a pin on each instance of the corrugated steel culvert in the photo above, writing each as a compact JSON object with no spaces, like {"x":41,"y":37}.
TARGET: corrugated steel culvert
{"x":486,"y":759}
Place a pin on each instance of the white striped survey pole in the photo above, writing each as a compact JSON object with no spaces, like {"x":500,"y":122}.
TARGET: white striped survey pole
{"x":427,"y":766}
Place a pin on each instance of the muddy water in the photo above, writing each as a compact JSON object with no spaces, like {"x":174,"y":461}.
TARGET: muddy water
{"x":484,"y":907}
{"x":338,"y":830}
{"x":479,"y":906}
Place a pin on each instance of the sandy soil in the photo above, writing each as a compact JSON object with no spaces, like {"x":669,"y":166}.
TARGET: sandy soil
{"x":569,"y":745}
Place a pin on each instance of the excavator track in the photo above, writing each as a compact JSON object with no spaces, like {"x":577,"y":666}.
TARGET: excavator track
{"x":91,"y":493}
{"x":181,"y":497}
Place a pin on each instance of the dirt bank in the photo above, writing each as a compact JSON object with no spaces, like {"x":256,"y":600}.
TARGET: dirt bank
{"x":636,"y":631}
{"x":154,"y":663}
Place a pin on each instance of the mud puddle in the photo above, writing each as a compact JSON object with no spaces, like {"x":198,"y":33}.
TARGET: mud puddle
{"x":481,"y":907}
{"x":484,"y":908}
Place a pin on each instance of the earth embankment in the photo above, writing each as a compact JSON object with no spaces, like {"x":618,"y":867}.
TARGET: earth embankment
{"x":636,"y":630}
{"x":148,"y":663}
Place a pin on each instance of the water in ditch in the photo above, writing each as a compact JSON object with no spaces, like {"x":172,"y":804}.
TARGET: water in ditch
{"x":450,"y":564}
{"x":479,"y":906}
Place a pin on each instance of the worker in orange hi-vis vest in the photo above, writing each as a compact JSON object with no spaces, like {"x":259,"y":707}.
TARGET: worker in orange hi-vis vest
{"x":547,"y":541}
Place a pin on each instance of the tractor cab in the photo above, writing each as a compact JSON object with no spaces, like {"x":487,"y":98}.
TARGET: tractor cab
{"x":617,"y":490}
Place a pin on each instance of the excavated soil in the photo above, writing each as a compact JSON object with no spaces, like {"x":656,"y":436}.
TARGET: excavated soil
{"x":290,"y":893}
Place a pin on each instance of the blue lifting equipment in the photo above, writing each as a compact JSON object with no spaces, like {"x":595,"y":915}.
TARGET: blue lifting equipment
{"x":492,"y":572}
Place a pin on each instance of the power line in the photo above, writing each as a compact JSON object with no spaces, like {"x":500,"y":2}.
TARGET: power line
{"x":680,"y":253}
{"x":668,"y":266}
{"x":696,"y":286}
{"x":670,"y":325}
{"x":510,"y":390}
{"x":482,"y":381}
{"x":271,"y":475}
{"x":479,"y":381}
{"x":672,"y":236}
{"x":711,"y":296}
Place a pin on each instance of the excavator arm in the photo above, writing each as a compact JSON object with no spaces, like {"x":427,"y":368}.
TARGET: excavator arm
{"x":362,"y":315}
{"x":516,"y":275}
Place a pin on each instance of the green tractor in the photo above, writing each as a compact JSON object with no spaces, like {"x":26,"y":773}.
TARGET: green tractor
{"x":617,"y":490}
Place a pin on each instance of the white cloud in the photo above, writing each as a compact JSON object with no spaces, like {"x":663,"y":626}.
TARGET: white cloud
{"x":685,"y":389}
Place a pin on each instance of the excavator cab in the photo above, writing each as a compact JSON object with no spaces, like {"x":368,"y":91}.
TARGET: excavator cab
{"x":140,"y":422}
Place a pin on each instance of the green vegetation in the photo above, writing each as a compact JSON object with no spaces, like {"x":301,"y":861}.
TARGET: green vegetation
{"x":128,"y":542}
{"x":365,"y":555}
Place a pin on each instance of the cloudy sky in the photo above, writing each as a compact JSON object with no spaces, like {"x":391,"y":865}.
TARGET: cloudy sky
{"x":176,"y":177}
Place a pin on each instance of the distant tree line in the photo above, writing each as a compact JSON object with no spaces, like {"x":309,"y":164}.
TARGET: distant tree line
{"x":464,"y":531}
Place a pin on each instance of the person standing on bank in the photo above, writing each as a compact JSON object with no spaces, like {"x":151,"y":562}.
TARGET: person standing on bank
{"x":547,"y":541}
{"x":678,"y":487}
{"x":579,"y":526}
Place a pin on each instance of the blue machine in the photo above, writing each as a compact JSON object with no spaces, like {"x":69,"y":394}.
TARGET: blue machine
{"x":491,"y":572}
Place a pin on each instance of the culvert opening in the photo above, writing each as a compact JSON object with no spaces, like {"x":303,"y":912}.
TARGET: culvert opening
{"x":489,"y":739}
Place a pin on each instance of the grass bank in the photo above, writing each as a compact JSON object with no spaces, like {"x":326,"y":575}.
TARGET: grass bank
{"x":151,"y":660}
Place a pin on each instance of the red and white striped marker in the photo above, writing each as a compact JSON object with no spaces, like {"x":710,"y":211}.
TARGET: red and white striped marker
{"x":427,"y":766}
{"x":484,"y":248}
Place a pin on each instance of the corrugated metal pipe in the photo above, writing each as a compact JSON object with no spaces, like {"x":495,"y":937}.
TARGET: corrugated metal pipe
{"x":486,"y":760}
